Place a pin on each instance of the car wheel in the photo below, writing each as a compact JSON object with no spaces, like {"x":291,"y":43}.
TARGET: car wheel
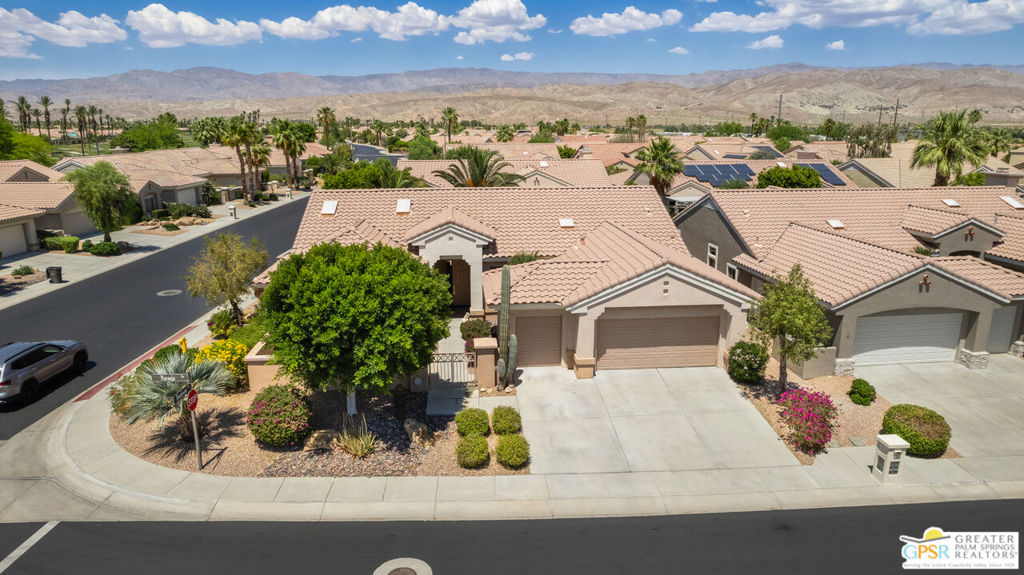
{"x":30,"y":391}
{"x":80,"y":362}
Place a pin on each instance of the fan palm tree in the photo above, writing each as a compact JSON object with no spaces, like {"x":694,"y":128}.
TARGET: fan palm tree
{"x":325,"y":117}
{"x":24,"y":117}
{"x":295,"y":151}
{"x":378,"y":128}
{"x":661,"y":162}
{"x":93,"y":111}
{"x":283,"y":137}
{"x":257,"y":156}
{"x":46,"y":102}
{"x":238,"y":135}
{"x":505,"y":133}
{"x":950,"y":140}
{"x":391,"y":178}
{"x":999,"y":140}
{"x":753,"y":121}
{"x":154,"y":399}
{"x":37,"y":114}
{"x":641,"y":127}
{"x":81,"y":113}
{"x":630,"y":124}
{"x":449,"y":117}
{"x":64,"y":120}
{"x":828,"y":126}
{"x":480,"y":168}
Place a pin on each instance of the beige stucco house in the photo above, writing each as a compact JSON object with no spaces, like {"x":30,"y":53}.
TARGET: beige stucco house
{"x":34,"y":198}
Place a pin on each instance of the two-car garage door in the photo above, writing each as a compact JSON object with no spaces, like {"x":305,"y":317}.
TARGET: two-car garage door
{"x":906,"y":338}
{"x":657,"y":342}
{"x":12,"y":240}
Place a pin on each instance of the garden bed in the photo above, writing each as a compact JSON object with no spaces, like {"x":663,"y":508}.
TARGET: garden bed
{"x":10,"y":283}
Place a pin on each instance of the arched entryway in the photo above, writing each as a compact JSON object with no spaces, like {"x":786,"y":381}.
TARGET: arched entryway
{"x":458,"y":280}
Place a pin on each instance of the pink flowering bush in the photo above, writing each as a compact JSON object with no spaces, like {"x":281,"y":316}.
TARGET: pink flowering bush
{"x":279,"y":417}
{"x":811,"y":415}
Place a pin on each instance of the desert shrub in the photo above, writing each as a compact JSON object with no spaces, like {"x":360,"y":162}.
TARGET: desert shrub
{"x":357,"y":440}
{"x":52,"y":243}
{"x":472,"y":421}
{"x":23,"y":271}
{"x":162,"y":213}
{"x":105,"y":249}
{"x":121,"y":392}
{"x":472,"y":451}
{"x":747,"y":360}
{"x":279,"y":416}
{"x":249,"y":334}
{"x":69,"y":244}
{"x":925,"y":430}
{"x":232,"y":355}
{"x":199,"y":211}
{"x":222,"y":323}
{"x":506,"y":420}
{"x":474,"y":328}
{"x":861,"y":392}
{"x":512,"y":451}
{"x":87,"y":246}
{"x":170,"y":227}
{"x":178,"y":210}
{"x":810,"y":415}
{"x":522,"y":258}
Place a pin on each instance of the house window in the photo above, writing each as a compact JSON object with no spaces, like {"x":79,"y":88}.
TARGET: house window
{"x":713,"y":256}
{"x":731,"y":271}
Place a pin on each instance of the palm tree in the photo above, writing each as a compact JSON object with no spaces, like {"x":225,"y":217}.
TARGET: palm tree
{"x":641,"y":127}
{"x":37,"y":113}
{"x":3,"y":109}
{"x":92,"y":111}
{"x":480,"y":168}
{"x":64,"y":120}
{"x":258,"y":156}
{"x":295,"y":151}
{"x":449,"y":117}
{"x":81,"y":112}
{"x":753,"y":121}
{"x":661,"y":162}
{"x":46,"y":102}
{"x":999,"y":140}
{"x":828,"y":126}
{"x":950,"y":140}
{"x":154,"y":398}
{"x":283,"y":137}
{"x":326,"y":118}
{"x":236,"y":135}
{"x":505,"y":133}
{"x":23,"y":107}
{"x":630,"y":124}
{"x":392,"y":178}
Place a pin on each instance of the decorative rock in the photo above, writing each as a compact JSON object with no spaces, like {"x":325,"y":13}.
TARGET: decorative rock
{"x":418,"y":432}
{"x":856,"y":441}
{"x":322,"y":439}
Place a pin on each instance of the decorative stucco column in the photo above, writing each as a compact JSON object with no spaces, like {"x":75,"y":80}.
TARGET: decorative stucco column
{"x":31,"y":240}
{"x":973,"y":354}
{"x":486,"y":360}
{"x":584,"y":361}
{"x":476,"y":290}
{"x":844,"y":364}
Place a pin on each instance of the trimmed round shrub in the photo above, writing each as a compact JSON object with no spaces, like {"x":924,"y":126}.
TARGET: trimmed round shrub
{"x":472,"y":451}
{"x":747,"y":361}
{"x":513,"y":451}
{"x":472,"y":421}
{"x":104,"y":249}
{"x":926,"y":431}
{"x":279,"y":417}
{"x":505,"y":420}
{"x":87,"y":246}
{"x":861,"y":392}
{"x":69,"y":244}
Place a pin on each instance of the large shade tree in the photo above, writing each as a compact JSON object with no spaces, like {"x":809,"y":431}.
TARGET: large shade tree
{"x":480,"y":168}
{"x":105,"y":195}
{"x":661,"y":162}
{"x":950,"y":142}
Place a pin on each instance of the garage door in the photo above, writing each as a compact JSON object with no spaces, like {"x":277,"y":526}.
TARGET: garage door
{"x":906,"y":338}
{"x":540,"y":340}
{"x":12,"y":240}
{"x":1000,"y":334}
{"x":663,"y":342}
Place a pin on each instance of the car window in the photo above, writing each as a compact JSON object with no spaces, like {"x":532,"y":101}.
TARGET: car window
{"x":49,"y":350}
{"x":35,"y":356}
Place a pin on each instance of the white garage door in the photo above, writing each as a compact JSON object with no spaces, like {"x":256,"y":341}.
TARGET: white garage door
{"x":12,"y":240}
{"x":1000,"y":334}
{"x":906,"y":338}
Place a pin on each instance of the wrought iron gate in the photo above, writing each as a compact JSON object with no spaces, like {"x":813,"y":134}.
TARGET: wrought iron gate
{"x":451,"y":368}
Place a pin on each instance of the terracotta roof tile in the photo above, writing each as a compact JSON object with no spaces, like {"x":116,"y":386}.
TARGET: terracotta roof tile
{"x":580,"y":173}
{"x":1003,"y":281}
{"x":8,"y":168}
{"x":36,"y":195}
{"x":1012,"y":246}
{"x":450,"y":215}
{"x":931,"y":221}
{"x":11,"y":213}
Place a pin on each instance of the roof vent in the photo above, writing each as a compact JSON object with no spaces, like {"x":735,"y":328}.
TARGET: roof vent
{"x":329,"y":208}
{"x":404,"y":206}
{"x":543,"y":164}
{"x":565,"y":223}
{"x":836,"y":224}
{"x":781,"y":164}
{"x":1014,"y":202}
{"x":951,"y":203}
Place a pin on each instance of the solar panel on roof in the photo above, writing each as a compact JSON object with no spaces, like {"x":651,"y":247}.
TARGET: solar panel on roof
{"x":735,"y":156}
{"x":826,"y":173}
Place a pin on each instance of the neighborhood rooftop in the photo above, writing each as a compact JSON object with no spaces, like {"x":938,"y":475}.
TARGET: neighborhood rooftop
{"x":579,"y":173}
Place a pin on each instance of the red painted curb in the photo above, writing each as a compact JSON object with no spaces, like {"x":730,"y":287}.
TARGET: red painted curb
{"x":92,"y":391}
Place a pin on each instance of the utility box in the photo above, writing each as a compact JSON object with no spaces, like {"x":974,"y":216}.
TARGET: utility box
{"x":233,"y":212}
{"x":890,"y":451}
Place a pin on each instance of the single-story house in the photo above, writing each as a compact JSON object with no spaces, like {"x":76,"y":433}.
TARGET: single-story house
{"x":552,"y":173}
{"x":865,"y":256}
{"x":612,"y":155}
{"x":614,"y":287}
{"x":521,"y":150}
{"x":60,"y":210}
{"x":897,"y":173}
{"x":155,"y":186}
{"x":27,"y":171}
{"x":712,"y":150}
{"x":832,"y":152}
{"x":17,"y":230}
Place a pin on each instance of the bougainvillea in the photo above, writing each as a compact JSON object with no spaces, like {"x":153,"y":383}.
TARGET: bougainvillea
{"x":811,"y":415}
{"x":279,"y":417}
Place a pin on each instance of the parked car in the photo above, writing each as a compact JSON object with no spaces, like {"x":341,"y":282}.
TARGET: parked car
{"x":26,"y":366}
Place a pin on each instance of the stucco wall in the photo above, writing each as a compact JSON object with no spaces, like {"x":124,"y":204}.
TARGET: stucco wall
{"x":960,"y":241}
{"x":451,"y":245}
{"x":538,"y":180}
{"x":705,"y":225}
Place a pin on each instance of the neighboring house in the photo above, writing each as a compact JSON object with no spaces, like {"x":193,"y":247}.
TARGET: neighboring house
{"x":27,"y":171}
{"x":728,"y":151}
{"x":60,"y":211}
{"x":832,"y":152}
{"x":897,"y":173}
{"x":571,"y":173}
{"x":618,"y":291}
{"x":621,"y":156}
{"x":154,"y":186}
{"x":521,"y":150}
{"x":886,"y":301}
{"x":1017,"y":158}
{"x":17,"y":230}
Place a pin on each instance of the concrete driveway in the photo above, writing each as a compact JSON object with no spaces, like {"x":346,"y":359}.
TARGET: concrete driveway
{"x":985,"y":407}
{"x":643,"y":420}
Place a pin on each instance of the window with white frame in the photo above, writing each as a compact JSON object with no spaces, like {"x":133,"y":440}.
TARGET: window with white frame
{"x":731,"y":271}
{"x":713,"y":256}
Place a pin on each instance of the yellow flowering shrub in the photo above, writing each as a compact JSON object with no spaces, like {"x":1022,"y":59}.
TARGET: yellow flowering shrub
{"x":232,"y":355}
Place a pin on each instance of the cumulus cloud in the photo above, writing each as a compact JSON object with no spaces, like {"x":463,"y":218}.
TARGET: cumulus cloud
{"x":517,"y":56}
{"x":837,"y":45}
{"x":19,"y":28}
{"x":630,"y":20}
{"x":356,"y":39}
{"x":159,"y":27}
{"x":679,"y":50}
{"x":409,"y":19}
{"x":918,"y":16}
{"x":458,"y":57}
{"x":495,"y":21}
{"x":773,"y":42}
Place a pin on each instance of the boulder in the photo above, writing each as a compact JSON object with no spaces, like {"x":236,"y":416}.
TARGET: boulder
{"x":322,"y":439}
{"x":418,"y":432}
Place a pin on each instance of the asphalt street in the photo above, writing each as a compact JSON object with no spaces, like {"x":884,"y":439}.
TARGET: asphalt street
{"x":854,"y":540}
{"x":118,"y":314}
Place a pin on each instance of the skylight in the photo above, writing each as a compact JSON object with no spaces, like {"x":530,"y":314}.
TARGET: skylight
{"x":543,"y":164}
{"x":781,"y":164}
{"x":951,"y":203}
{"x":329,"y":207}
{"x":565,"y":223}
{"x":404,"y":206}
{"x":836,"y":224}
{"x":1014,"y":202}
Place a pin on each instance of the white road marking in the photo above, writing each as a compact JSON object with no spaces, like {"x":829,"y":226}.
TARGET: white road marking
{"x":39,"y":534}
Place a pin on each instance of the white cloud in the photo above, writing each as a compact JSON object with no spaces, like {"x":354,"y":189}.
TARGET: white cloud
{"x":918,"y":16}
{"x":517,"y":56}
{"x":356,"y":39}
{"x":409,"y":19}
{"x":773,"y":42}
{"x":837,"y":45}
{"x":630,"y":20}
{"x":679,"y":50}
{"x":553,"y":31}
{"x":495,"y":20}
{"x":651,"y":40}
{"x":159,"y":27}
{"x":20,"y":28}
{"x":458,"y":57}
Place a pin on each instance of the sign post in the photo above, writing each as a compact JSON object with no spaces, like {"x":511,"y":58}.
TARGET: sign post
{"x":191,"y":397}
{"x":192,"y":402}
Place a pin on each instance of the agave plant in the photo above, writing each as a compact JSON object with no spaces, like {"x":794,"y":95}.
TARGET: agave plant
{"x":154,"y":399}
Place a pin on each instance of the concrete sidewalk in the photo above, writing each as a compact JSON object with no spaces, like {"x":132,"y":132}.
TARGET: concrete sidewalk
{"x":79,"y":267}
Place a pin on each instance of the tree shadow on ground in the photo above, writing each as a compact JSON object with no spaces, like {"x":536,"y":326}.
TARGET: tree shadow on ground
{"x":215,"y":426}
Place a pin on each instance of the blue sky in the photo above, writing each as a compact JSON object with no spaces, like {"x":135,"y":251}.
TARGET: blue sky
{"x":60,"y":38}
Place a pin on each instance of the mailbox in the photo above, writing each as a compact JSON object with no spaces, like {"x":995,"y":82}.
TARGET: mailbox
{"x":890,"y":451}
{"x":233,"y":212}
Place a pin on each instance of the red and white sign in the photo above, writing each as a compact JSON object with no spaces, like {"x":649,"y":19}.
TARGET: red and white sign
{"x":192,"y":400}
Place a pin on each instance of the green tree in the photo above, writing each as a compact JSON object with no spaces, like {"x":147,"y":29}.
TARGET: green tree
{"x":142,"y":136}
{"x":790,"y":315}
{"x":522,"y":258}
{"x":950,"y":141}
{"x":104,"y":194}
{"x":28,"y":147}
{"x":728,"y":128}
{"x":870,"y":141}
{"x":483,"y":168}
{"x":208,"y":130}
{"x":339,"y":159}
{"x":543,"y":138}
{"x":734,"y":184}
{"x":46,"y":102}
{"x":352,"y":317}
{"x":795,"y":177}
{"x":223,"y":272}
{"x":566,"y":151}
{"x":240,"y":134}
{"x":6,"y":139}
{"x":326,"y":118}
{"x":828,"y":127}
{"x":364,"y":175}
{"x":505,"y":133}
{"x":790,"y":133}
{"x":972,"y":179}
{"x":423,"y":148}
{"x":662,"y":162}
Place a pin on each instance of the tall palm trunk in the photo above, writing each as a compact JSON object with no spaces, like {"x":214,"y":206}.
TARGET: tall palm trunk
{"x":241,"y":167}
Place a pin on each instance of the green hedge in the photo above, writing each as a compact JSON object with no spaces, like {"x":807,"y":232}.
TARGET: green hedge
{"x":925,"y":430}
{"x":506,"y":420}
{"x":472,"y":421}
{"x":513,"y":451}
{"x":104,"y":249}
{"x":472,"y":451}
{"x":861,"y":392}
{"x":68,"y":243}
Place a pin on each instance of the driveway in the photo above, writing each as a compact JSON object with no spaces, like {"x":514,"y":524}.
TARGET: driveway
{"x":643,"y":420}
{"x":985,"y":407}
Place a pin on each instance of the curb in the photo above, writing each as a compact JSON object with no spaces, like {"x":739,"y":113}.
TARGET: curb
{"x":92,"y":391}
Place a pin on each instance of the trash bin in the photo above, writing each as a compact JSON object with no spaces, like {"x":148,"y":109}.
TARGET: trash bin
{"x":233,"y":212}
{"x":54,"y":274}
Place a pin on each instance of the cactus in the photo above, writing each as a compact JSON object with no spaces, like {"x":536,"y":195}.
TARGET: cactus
{"x":513,"y":349}
{"x":504,"y":318}
{"x":500,"y":368}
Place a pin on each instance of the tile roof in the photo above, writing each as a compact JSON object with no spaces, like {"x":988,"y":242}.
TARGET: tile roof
{"x":757,"y":166}
{"x":606,"y":257}
{"x":611,"y":154}
{"x":1003,"y":281}
{"x":522,"y":150}
{"x":620,"y":178}
{"x":719,"y":150}
{"x":11,"y":213}
{"x":1012,"y":246}
{"x":8,"y":168}
{"x":580,"y":173}
{"x":450,"y":215}
{"x":523,"y":219}
{"x":898,"y":173}
{"x":36,"y":195}
{"x":832,"y":151}
{"x":931,"y":221}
